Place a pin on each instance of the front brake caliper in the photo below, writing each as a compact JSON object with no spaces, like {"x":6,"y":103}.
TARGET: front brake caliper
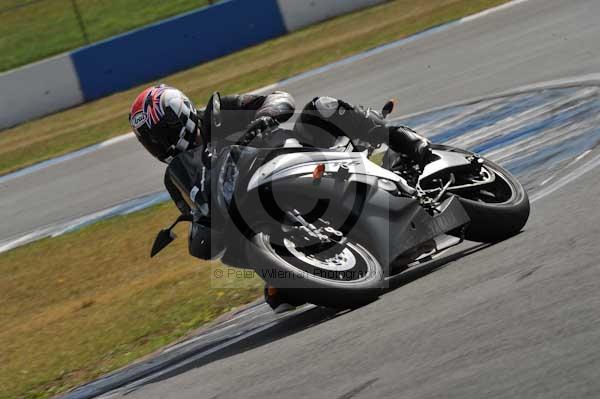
{"x":304,"y":233}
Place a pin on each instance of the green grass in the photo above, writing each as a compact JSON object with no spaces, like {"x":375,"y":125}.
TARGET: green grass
{"x":32,"y":30}
{"x":249,"y":69}
{"x":75,"y":307}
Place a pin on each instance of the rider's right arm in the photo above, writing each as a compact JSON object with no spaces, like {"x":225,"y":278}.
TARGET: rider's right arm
{"x":176,"y":194}
{"x":199,"y":244}
{"x":188,"y":182}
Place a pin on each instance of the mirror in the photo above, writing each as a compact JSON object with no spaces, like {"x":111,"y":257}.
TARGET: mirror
{"x":164,"y":238}
{"x":388,"y":108}
{"x":216,"y":109}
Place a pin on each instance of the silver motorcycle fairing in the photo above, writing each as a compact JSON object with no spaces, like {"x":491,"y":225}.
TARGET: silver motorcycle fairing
{"x":304,"y":163}
{"x":388,"y":224}
{"x":446,"y":160}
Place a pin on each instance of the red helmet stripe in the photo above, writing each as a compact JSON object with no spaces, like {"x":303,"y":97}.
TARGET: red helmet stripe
{"x":152,"y":105}
{"x":138,"y":104}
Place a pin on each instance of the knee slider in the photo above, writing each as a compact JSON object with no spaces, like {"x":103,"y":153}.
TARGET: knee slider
{"x":326,"y":106}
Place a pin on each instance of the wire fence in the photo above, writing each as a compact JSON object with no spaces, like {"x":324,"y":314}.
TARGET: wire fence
{"x":34,"y":29}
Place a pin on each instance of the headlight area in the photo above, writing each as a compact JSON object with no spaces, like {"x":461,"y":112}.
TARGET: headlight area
{"x":227,"y":179}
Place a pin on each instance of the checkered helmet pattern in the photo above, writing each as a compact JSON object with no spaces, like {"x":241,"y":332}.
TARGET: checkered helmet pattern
{"x":165,"y":121}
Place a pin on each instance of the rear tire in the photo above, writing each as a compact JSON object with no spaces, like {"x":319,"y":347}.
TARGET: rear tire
{"x":493,"y":222}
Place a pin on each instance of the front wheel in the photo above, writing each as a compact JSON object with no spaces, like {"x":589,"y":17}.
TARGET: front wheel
{"x":342,"y":275}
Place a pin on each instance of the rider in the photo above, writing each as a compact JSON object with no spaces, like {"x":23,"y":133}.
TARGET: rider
{"x":168,"y":125}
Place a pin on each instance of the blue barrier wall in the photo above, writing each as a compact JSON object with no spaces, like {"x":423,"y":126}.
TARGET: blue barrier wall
{"x":175,"y":44}
{"x":161,"y":49}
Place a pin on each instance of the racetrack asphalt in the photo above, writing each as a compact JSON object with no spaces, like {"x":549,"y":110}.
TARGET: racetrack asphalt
{"x":548,"y":138}
{"x":533,"y":41}
{"x":519,"y":319}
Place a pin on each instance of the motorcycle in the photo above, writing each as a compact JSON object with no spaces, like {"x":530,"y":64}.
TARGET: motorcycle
{"x":332,"y":227}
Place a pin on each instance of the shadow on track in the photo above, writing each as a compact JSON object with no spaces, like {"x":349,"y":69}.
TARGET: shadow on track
{"x":414,"y":273}
{"x":297,"y":323}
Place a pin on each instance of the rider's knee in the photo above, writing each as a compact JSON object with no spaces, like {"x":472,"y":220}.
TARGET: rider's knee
{"x":318,"y":123}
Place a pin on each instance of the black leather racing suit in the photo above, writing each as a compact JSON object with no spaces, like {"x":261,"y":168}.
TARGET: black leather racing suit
{"x":320,"y":123}
{"x":188,"y":178}
{"x":324,"y":119}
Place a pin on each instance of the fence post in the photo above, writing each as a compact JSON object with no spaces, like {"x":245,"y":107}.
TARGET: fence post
{"x":80,"y":21}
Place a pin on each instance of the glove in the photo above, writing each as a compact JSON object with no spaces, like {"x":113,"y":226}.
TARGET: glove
{"x":257,"y":128}
{"x":261,"y":124}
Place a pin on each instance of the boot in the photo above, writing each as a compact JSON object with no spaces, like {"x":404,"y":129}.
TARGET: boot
{"x":400,"y":139}
{"x":410,"y":144}
{"x":274,"y":300}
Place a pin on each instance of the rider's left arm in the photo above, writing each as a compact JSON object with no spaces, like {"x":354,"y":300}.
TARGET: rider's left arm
{"x":240,"y":110}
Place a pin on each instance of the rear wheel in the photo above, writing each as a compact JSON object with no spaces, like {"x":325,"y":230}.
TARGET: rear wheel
{"x":494,"y":199}
{"x":498,"y":210}
{"x":339,"y":276}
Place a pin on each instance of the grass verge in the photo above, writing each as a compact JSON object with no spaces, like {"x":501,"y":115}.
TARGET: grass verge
{"x":249,"y":69}
{"x":35,"y":29}
{"x":80,"y":305}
